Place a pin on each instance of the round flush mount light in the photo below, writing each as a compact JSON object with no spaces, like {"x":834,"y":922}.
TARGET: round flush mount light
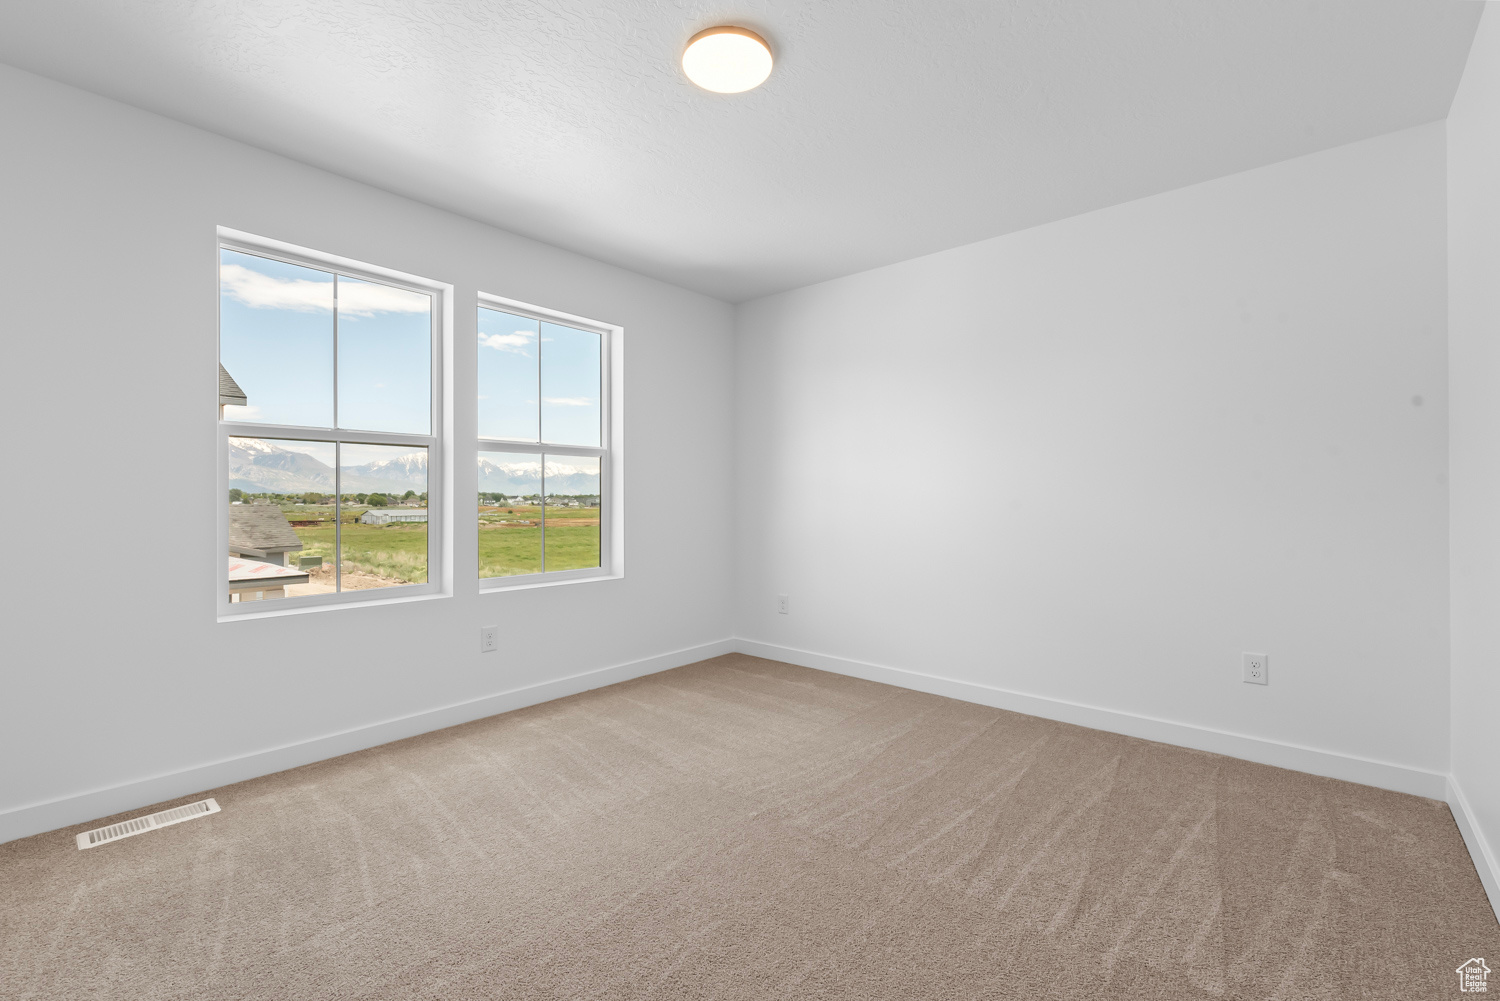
{"x":727,"y":60}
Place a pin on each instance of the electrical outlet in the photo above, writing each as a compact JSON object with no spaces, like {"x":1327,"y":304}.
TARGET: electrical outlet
{"x":783,"y":604}
{"x":489,"y":639}
{"x":1256,"y":668}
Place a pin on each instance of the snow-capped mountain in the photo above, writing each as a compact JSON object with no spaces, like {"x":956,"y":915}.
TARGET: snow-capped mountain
{"x":259,"y":466}
{"x":523,"y":475}
{"x":400,"y":473}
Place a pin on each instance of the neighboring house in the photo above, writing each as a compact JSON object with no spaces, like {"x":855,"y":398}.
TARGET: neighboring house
{"x":261,"y":532}
{"x":230,"y":393}
{"x":377,"y":516}
{"x":254,"y":580}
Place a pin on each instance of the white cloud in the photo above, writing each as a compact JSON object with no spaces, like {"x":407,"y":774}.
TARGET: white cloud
{"x":264,"y":292}
{"x":517,"y":342}
{"x":357,"y":298}
{"x":304,"y":295}
{"x":569,"y":401}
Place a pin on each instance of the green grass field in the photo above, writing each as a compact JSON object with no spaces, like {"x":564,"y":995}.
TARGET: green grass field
{"x":396,"y":551}
{"x":510,"y":541}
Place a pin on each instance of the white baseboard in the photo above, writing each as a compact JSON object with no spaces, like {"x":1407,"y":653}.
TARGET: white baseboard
{"x":1479,"y":848}
{"x":1351,"y":768}
{"x":37,"y":818}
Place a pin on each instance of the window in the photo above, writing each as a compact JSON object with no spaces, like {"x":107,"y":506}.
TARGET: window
{"x":328,"y":419}
{"x":545,"y":506}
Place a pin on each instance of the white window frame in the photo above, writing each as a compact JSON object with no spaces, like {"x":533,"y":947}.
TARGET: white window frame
{"x":438,"y":531}
{"x":610,"y":452}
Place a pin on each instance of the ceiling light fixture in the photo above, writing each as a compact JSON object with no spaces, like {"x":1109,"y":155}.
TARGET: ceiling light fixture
{"x":727,"y":60}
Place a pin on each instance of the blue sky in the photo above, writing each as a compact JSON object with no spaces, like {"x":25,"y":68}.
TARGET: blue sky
{"x":276,"y":338}
{"x":507,"y":376}
{"x":509,"y":347}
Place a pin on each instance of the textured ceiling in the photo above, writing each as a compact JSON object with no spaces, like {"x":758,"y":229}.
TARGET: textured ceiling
{"x":888,"y":129}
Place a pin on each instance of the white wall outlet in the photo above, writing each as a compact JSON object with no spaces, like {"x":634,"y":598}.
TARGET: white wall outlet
{"x":489,"y":639}
{"x":1255,"y":668}
{"x":783,"y":604}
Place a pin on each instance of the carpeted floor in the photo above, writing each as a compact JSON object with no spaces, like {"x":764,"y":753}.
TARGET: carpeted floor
{"x":747,"y":829}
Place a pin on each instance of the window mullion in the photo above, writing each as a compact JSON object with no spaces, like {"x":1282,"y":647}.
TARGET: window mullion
{"x":385,"y":438}
{"x":335,"y":349}
{"x":338,"y":520}
{"x":540,"y":437}
{"x":235,"y":430}
{"x":528,"y":448}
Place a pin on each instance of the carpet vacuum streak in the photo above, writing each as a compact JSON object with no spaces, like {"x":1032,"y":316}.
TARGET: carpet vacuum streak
{"x":745,"y":829}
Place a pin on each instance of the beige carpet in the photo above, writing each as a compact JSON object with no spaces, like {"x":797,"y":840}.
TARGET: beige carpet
{"x":746,"y":829}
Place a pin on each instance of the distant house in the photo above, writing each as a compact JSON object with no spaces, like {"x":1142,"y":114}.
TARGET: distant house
{"x":254,"y":580}
{"x":385,"y":516}
{"x":230,"y":393}
{"x":261,"y":532}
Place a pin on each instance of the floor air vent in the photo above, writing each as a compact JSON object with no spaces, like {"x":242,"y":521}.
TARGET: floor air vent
{"x":150,"y":822}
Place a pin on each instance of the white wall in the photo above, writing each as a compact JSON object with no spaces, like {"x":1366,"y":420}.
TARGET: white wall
{"x":115,"y":669}
{"x":1474,"y":374}
{"x":1091,"y":462}
{"x":1096,"y":460}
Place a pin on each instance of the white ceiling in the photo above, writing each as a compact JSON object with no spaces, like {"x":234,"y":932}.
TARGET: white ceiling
{"x":888,"y":129}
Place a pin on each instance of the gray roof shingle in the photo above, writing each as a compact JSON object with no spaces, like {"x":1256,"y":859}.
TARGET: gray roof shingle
{"x":259,"y":529}
{"x":230,"y":392}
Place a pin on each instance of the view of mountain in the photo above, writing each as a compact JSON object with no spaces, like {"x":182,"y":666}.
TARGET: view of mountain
{"x":522,"y":476}
{"x":258,"y":466}
{"x":403,"y":473}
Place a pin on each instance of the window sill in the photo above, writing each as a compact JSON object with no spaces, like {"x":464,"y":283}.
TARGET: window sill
{"x":524,"y":582}
{"x":276,"y":609}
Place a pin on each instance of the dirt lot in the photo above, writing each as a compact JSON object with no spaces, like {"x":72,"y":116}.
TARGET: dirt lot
{"x":320,"y":580}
